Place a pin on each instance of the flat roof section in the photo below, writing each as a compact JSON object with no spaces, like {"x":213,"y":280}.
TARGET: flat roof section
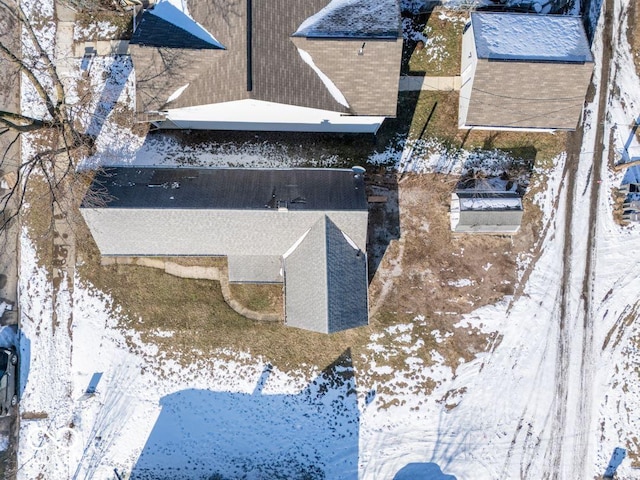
{"x":229,"y":189}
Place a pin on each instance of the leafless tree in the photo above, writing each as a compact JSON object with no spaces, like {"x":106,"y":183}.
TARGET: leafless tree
{"x":59,"y":140}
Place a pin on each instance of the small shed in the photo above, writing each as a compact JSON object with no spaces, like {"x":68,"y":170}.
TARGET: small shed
{"x":489,"y":212}
{"x":523,"y":71}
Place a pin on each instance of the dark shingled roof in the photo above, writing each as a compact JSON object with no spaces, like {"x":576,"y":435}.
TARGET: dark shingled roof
{"x":154,"y":31}
{"x":228,"y":188}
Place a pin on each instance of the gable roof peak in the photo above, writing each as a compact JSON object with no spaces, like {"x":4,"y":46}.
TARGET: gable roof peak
{"x":167,"y":25}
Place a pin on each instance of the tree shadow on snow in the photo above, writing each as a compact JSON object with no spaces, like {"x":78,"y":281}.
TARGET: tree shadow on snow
{"x":205,"y":434}
{"x":116,"y":75}
{"x":25,"y":362}
{"x":422,"y":471}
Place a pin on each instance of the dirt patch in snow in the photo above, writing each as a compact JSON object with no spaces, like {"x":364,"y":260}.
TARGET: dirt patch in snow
{"x":432,"y":272}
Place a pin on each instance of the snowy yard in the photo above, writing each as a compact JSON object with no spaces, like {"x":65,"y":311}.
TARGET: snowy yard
{"x":97,"y":396}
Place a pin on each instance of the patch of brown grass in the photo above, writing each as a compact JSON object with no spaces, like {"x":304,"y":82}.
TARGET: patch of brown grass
{"x":123,"y":23}
{"x":430,"y":262}
{"x":441,"y":55}
{"x":38,"y":218}
{"x":263,"y":298}
{"x":34,"y":415}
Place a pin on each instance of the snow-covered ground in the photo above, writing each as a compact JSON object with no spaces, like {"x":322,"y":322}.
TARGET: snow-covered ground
{"x":236,"y":416}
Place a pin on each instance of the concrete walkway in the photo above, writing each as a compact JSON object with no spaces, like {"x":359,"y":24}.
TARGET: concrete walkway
{"x":414,"y":83}
{"x":101,"y":47}
{"x":68,"y":50}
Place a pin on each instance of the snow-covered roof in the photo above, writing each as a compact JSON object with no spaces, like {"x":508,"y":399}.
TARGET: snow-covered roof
{"x":530,"y":37}
{"x":354,"y":18}
{"x":488,"y":200}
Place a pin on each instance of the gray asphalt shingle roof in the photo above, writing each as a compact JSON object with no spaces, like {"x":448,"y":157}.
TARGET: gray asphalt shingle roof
{"x":319,"y":238}
{"x":326,"y":281}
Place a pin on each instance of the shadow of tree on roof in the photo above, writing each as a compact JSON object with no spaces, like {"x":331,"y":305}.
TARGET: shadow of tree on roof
{"x":312,"y":434}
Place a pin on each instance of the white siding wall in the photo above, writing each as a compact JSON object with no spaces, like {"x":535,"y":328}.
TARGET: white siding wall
{"x":468,"y":64}
{"x":256,"y":115}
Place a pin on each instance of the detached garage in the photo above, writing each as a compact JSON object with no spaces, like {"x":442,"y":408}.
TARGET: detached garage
{"x":523,"y":72}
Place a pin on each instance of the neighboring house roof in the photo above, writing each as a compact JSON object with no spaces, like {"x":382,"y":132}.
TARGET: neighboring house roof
{"x":352,"y":18}
{"x":259,"y":58}
{"x":485,"y":212}
{"x":325,"y":281}
{"x":523,"y":71}
{"x":529,"y":37}
{"x":255,"y":217}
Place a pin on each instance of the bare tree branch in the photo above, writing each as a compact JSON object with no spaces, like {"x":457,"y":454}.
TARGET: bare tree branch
{"x":21,"y":123}
{"x":42,"y":92}
{"x":60,"y":140}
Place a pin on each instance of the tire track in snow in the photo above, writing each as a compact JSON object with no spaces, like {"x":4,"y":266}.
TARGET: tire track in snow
{"x":559,"y":466}
{"x":587,"y":366}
